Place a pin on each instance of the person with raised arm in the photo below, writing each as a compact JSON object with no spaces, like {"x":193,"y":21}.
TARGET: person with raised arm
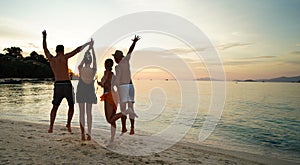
{"x":62,"y":86}
{"x":124,"y":85}
{"x":85,"y":95}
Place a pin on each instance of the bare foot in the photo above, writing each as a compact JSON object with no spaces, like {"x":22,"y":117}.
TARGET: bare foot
{"x":131,"y":131}
{"x":50,"y":130}
{"x":112,"y":144}
{"x":83,"y":137}
{"x":124,"y":130}
{"x":69,"y":128}
{"x":89,"y":137}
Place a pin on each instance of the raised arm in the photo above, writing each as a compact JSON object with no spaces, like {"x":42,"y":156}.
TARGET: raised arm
{"x":77,"y":50}
{"x":94,"y":55}
{"x":136,"y":38}
{"x":46,"y":51}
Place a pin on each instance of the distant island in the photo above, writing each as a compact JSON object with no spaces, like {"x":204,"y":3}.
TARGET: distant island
{"x":277,"y":79}
{"x":295,"y":79}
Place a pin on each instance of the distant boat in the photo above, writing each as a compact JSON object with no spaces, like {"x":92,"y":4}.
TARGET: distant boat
{"x":167,"y":79}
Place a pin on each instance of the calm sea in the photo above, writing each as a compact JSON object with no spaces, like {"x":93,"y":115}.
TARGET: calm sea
{"x":262,"y":118}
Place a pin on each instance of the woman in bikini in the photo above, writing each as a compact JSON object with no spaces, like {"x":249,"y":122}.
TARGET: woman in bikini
{"x":110,"y":98}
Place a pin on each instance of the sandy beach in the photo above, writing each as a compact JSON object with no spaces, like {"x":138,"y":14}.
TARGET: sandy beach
{"x":29,"y":143}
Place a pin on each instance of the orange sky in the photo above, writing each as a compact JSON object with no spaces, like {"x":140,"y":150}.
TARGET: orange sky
{"x":254,"y":39}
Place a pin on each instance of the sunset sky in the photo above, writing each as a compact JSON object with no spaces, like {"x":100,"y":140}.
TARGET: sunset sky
{"x":255,"y":39}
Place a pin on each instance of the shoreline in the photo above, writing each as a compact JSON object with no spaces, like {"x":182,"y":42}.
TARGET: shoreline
{"x":24,"y":80}
{"x":41,"y":80}
{"x":26,"y":142}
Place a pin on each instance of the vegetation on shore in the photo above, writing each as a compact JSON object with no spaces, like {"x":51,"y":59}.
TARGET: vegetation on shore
{"x":14,"y":65}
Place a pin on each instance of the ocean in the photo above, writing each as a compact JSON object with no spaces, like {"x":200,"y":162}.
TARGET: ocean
{"x":260,"y":118}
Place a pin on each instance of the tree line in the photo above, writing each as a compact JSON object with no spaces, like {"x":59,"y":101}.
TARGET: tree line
{"x":14,"y":65}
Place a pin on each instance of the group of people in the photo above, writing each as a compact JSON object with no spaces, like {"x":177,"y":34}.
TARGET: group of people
{"x":85,"y":93}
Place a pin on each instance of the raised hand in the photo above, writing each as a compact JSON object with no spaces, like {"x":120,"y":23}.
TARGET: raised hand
{"x":91,"y":42}
{"x":44,"y":33}
{"x":136,"y":38}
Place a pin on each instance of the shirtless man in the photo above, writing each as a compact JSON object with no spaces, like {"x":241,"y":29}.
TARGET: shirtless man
{"x":125,"y":87}
{"x":62,"y":86}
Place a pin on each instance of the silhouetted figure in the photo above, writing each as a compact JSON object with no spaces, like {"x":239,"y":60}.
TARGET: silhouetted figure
{"x":62,"y":86}
{"x":124,"y":84}
{"x":85,"y":94}
{"x":110,"y":98}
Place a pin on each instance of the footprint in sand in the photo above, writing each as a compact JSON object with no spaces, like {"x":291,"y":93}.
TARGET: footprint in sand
{"x":85,"y":152}
{"x":64,"y":144}
{"x":22,"y":136}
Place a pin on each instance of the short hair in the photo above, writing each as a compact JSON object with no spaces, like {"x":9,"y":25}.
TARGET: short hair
{"x":60,"y":48}
{"x":109,"y":62}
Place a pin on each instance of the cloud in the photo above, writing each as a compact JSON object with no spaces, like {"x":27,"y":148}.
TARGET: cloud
{"x":236,"y":62}
{"x":11,"y":29}
{"x":298,"y":44}
{"x":32,"y":45}
{"x":187,"y":55}
{"x":259,"y":57}
{"x":292,"y":57}
{"x":294,"y":53}
{"x":232,"y":45}
{"x":265,"y":57}
{"x":250,"y":60}
{"x":185,"y":51}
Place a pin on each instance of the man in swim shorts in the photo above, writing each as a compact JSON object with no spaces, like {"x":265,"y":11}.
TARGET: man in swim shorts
{"x":124,"y":84}
{"x":62,"y":86}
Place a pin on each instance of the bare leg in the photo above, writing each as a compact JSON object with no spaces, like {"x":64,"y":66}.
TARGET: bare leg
{"x":111,"y":118}
{"x":123,"y":118}
{"x":115,"y":117}
{"x":52,"y":117}
{"x":113,"y":133}
{"x":132,"y":127}
{"x":82,"y":120}
{"x":89,"y":119}
{"x":70,"y":116}
{"x":131,"y":116}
